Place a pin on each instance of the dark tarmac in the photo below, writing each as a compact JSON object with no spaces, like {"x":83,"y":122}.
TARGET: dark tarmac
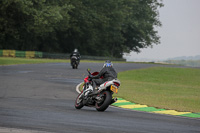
{"x":40,"y":98}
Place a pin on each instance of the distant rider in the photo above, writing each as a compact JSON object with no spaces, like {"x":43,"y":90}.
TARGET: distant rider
{"x":108,"y":73}
{"x":76,"y":54}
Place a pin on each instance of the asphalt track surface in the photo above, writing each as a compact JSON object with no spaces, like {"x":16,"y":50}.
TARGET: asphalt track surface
{"x":40,"y":98}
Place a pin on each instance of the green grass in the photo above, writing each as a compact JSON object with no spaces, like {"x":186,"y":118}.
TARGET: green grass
{"x":14,"y":61}
{"x":169,"y":88}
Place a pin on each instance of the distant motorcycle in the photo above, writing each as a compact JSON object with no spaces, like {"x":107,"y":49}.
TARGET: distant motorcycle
{"x":100,"y":100}
{"x":74,"y":62}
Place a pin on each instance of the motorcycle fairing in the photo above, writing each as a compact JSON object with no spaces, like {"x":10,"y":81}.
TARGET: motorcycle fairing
{"x":109,"y":83}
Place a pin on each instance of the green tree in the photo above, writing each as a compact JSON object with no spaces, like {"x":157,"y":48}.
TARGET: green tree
{"x":25,"y":24}
{"x":95,"y":27}
{"x":110,"y":28}
{"x":139,"y":27}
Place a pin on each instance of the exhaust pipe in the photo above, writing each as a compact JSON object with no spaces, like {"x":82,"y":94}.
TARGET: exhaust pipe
{"x":113,"y":100}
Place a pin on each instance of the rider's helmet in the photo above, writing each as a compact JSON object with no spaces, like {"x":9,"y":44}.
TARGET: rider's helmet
{"x":108,"y":63}
{"x":75,"y":50}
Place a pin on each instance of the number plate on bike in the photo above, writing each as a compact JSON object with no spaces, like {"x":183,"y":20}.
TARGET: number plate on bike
{"x":114,"y":89}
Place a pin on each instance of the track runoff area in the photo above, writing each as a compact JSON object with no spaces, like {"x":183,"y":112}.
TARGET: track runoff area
{"x":122,"y":103}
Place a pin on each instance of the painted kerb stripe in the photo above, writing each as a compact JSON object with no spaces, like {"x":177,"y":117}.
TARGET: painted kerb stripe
{"x":133,"y":106}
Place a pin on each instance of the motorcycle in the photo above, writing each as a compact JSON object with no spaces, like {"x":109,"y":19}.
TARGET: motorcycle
{"x":74,"y":62}
{"x":102,"y":98}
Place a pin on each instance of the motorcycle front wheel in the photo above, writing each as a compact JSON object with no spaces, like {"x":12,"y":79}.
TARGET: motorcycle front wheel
{"x":104,"y":102}
{"x":79,"y":102}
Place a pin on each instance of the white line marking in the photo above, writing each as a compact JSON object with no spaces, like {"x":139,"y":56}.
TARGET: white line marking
{"x":77,"y":87}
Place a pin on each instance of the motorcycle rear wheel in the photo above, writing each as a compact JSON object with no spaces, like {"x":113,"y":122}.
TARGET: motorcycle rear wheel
{"x":105,"y":103}
{"x":79,"y":102}
{"x":74,"y":66}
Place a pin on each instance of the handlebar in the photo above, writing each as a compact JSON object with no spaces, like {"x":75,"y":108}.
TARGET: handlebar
{"x":89,"y":71}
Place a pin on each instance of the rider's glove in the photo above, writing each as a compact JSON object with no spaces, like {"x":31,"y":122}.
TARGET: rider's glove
{"x":91,"y":76}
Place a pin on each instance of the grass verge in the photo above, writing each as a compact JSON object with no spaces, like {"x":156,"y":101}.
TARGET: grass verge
{"x":14,"y":61}
{"x":169,"y":88}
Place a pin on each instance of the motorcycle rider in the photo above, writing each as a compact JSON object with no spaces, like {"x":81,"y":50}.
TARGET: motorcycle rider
{"x":76,"y":54}
{"x":108,"y":73}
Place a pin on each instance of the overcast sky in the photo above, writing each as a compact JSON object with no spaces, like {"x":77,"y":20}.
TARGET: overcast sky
{"x":180,"y":31}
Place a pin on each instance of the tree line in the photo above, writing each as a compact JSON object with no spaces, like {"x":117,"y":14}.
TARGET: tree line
{"x":94,"y":27}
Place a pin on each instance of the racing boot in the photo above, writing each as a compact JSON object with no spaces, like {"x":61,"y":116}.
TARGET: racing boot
{"x":96,"y":91}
